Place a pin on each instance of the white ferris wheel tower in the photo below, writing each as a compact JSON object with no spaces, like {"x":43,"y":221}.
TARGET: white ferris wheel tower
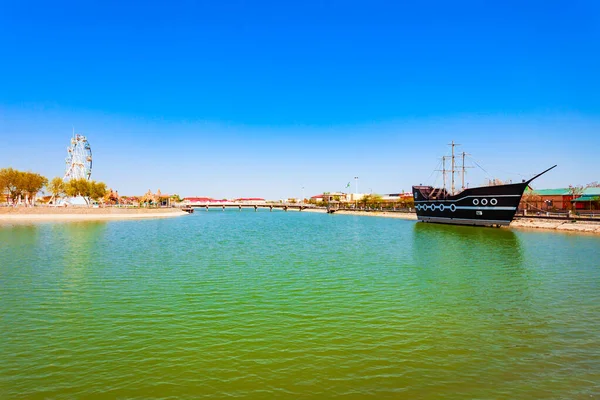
{"x":79,"y":159}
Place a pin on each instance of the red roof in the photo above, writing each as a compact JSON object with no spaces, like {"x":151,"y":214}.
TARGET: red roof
{"x":249,"y":199}
{"x":198,"y":199}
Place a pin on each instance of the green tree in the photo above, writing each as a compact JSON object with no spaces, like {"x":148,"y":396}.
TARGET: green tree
{"x":376,"y":200}
{"x":365,"y":200}
{"x":97,"y":190}
{"x":17,"y":184}
{"x":10,"y":181}
{"x":56,"y":188}
{"x":78,"y":187}
{"x":408,"y":203}
{"x":89,"y":190}
{"x":31,"y":184}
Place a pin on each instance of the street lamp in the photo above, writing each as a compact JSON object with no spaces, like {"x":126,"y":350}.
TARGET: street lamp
{"x":355,"y":191}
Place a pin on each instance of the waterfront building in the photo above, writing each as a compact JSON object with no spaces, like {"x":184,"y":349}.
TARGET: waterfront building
{"x":560,"y":199}
{"x":250,"y":200}
{"x":546,"y":199}
{"x":589,"y":199}
{"x":333,"y":197}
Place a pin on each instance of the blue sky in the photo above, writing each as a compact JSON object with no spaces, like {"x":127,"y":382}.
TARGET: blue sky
{"x":231,"y":99}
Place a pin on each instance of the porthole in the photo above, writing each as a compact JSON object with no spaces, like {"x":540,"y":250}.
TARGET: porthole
{"x":483,"y":202}
{"x":493,"y":202}
{"x":475,"y":202}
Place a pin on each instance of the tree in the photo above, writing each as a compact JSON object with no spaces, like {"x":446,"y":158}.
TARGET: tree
{"x":408,"y":202}
{"x":175,"y":198}
{"x":17,"y":184}
{"x":89,"y":190}
{"x":376,"y":200}
{"x":366,"y":199}
{"x":78,"y":187}
{"x":56,"y":188}
{"x":31,"y":184}
{"x":5,"y":181}
{"x":97,"y":190}
{"x":10,"y":181}
{"x":575,"y":191}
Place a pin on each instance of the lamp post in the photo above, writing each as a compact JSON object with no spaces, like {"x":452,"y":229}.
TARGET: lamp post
{"x":355,"y":191}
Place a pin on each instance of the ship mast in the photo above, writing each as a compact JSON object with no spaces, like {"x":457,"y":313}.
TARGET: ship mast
{"x":463,"y":170}
{"x":444,"y":172}
{"x":453,"y":169}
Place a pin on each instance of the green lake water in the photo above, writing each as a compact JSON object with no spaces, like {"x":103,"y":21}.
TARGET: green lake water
{"x":296,"y":305}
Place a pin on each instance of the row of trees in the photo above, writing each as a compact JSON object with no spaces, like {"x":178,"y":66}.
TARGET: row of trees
{"x":89,"y":190}
{"x":376,"y":201}
{"x":18,"y":186}
{"x":369,"y":201}
{"x":21,"y":186}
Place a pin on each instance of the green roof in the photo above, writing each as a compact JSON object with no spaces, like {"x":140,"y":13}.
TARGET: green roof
{"x":586,"y":198}
{"x":591,"y":191}
{"x":552,"y":192}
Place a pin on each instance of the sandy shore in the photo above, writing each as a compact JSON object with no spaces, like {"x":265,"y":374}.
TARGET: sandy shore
{"x":400,"y":215}
{"x":31,"y":214}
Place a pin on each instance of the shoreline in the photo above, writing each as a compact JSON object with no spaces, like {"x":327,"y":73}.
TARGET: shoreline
{"x":565,"y":226}
{"x":386,"y":214}
{"x":58,"y":214}
{"x":74,"y":214}
{"x":580,"y":227}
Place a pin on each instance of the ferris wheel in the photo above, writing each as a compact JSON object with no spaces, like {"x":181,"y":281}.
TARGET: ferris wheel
{"x":79,"y":159}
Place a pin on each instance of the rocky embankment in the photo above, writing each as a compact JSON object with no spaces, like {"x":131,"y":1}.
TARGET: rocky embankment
{"x":558,"y":225}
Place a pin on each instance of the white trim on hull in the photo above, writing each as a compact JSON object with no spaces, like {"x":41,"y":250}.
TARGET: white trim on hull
{"x":463,"y":221}
{"x":466,"y":197}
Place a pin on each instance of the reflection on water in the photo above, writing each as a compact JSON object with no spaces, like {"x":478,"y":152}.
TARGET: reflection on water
{"x":489,"y":247}
{"x":471,"y":274}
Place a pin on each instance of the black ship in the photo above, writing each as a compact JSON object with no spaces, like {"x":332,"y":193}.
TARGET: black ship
{"x":483,"y":206}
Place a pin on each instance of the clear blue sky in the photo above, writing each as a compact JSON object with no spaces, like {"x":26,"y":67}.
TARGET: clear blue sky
{"x":231,"y":99}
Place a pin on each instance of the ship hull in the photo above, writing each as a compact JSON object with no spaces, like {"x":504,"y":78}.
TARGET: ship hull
{"x":480,"y":206}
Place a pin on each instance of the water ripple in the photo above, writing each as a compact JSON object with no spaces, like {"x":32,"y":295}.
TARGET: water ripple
{"x":293,"y":305}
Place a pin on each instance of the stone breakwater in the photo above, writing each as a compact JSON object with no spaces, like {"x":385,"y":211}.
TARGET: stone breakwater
{"x":16,"y":214}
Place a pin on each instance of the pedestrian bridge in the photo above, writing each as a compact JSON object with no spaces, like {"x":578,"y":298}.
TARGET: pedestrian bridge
{"x":251,"y":205}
